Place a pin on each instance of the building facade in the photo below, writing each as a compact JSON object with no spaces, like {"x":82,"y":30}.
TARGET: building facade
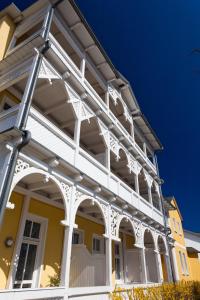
{"x":185,"y":245}
{"x":81,"y":204}
{"x":192,"y":242}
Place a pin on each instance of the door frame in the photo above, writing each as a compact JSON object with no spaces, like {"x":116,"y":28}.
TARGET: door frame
{"x":40,"y":252}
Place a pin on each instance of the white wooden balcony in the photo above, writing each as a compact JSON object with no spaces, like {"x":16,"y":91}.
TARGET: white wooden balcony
{"x":51,"y":137}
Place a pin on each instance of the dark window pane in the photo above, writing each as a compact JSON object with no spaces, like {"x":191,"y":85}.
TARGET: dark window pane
{"x":117,"y":268}
{"x":26,"y":285}
{"x":22,"y":257}
{"x":30,"y":263}
{"x":27,"y":228}
{"x":117,"y":249}
{"x":16,"y":286}
{"x":96,"y":245}
{"x":35,"y":230}
{"x":75,"y":239}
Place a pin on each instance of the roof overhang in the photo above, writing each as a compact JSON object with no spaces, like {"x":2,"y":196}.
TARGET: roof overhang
{"x":192,"y":250}
{"x":11,"y":10}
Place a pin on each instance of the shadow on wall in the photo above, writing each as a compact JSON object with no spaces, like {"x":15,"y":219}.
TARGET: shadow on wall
{"x":9,"y":229}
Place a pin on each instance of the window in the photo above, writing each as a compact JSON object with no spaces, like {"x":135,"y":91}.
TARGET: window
{"x":24,"y":276}
{"x":185,"y":264}
{"x":174,"y":224}
{"x":77,"y":237}
{"x":118,"y":261}
{"x":179,"y":228}
{"x":181,"y":260}
{"x":98,"y":245}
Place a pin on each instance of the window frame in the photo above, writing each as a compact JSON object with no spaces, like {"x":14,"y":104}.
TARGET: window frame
{"x":185,"y":264}
{"x":182,"y":262}
{"x":40,"y":251}
{"x":102,"y":244}
{"x":81,"y":234}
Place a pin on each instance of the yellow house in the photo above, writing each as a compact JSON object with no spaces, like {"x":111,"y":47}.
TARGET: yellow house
{"x":192,"y":241}
{"x":175,"y":223}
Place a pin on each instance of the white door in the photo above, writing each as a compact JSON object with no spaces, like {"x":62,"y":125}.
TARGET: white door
{"x":29,"y":255}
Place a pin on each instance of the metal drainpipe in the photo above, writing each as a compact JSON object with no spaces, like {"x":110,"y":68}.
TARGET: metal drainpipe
{"x":167,"y":232}
{"x":25,"y":134}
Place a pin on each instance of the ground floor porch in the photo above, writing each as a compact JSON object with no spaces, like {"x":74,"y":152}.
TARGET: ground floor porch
{"x":57,"y":242}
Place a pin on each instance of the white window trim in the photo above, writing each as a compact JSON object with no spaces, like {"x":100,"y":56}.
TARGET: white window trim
{"x":185,"y":264}
{"x":102,"y":244}
{"x":40,"y":253}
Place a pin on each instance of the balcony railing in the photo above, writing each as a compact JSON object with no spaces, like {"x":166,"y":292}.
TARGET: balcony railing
{"x":65,"y":58}
{"x":47,"y":134}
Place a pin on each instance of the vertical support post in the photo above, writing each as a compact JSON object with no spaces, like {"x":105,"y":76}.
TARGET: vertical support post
{"x":108,"y":238}
{"x":67,"y":246}
{"x":169,"y":269}
{"x":82,"y":67}
{"x":77,"y":132}
{"x":108,"y":261}
{"x":159,"y":266}
{"x":137,"y":188}
{"x":143,"y":260}
{"x":132,"y":131}
{"x":159,"y":202}
{"x":107,"y":98}
{"x":107,"y":158}
{"x":174,"y":264}
{"x":145,"y":148}
{"x":150,"y":195}
{"x":125,"y":265}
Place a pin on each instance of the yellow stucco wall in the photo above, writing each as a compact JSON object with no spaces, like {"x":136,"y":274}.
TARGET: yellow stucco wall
{"x":54,"y":239}
{"x":7,"y":28}
{"x":194,"y":265}
{"x":9,"y":229}
{"x":178,"y":235}
{"x":89,"y":228}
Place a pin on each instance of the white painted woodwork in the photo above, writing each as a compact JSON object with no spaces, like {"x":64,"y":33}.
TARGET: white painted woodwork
{"x":86,"y":269}
{"x":133,"y":266}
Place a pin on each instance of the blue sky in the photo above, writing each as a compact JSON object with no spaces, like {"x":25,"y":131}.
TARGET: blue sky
{"x":151,"y":43}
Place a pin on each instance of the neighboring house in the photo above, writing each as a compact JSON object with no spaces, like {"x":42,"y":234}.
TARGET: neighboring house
{"x":186,"y":245}
{"x":192,"y":242}
{"x":80,"y":193}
